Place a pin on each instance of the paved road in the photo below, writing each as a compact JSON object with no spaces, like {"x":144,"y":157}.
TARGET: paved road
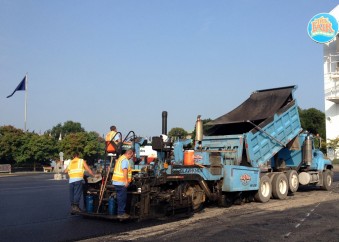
{"x":35,"y":207}
{"x":318,"y":221}
{"x":309,"y":215}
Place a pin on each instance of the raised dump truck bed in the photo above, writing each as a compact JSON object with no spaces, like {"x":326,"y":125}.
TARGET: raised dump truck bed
{"x":267,"y":121}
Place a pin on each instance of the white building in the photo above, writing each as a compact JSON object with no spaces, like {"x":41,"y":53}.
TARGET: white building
{"x":331,"y":83}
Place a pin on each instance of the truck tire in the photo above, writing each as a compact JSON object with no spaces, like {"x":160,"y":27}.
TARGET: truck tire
{"x":224,"y":201}
{"x":265,"y":190}
{"x":279,"y":186}
{"x":198,"y":196}
{"x":327,"y":180}
{"x":293,"y":180}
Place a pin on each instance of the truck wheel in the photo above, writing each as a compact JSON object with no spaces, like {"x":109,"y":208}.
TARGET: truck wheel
{"x":224,"y":201}
{"x":198,"y":196}
{"x":279,"y":186}
{"x":327,"y":180}
{"x":265,"y":190}
{"x":293,"y":180}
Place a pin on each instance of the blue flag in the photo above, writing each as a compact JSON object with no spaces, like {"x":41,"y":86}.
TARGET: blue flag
{"x":20,"y":87}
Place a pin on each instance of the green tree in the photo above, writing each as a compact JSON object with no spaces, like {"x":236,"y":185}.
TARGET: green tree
{"x":18,"y":147}
{"x":10,"y":141}
{"x":64,"y":129}
{"x":90,"y":146}
{"x":36,"y":149}
{"x":44,"y":148}
{"x":95,"y":147}
{"x":27,"y":148}
{"x":313,"y":120}
{"x":177,"y":133}
{"x":333,"y":144}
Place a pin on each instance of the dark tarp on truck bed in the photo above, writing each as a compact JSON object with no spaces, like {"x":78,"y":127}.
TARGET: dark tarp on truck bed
{"x":261,"y":105}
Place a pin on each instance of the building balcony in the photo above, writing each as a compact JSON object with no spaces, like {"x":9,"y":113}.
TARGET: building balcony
{"x":332,"y":94}
{"x":333,"y":99}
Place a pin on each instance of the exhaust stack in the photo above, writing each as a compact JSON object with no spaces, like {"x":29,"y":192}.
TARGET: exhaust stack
{"x":198,"y":129}
{"x":164,"y":122}
{"x":307,"y":150}
{"x":199,"y":132}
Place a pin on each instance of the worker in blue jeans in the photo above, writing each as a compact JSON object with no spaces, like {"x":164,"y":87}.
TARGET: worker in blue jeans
{"x":122,"y":177}
{"x":75,"y":170}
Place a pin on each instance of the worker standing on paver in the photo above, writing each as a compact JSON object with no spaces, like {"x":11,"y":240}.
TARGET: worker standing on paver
{"x":75,"y":170}
{"x":110,"y":135}
{"x":112,"y":140}
{"x":122,"y":177}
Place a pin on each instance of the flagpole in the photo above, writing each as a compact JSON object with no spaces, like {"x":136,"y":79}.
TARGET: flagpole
{"x":26,"y":84}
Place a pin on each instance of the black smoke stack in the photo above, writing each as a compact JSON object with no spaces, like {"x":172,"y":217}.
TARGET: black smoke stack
{"x":164,"y":122}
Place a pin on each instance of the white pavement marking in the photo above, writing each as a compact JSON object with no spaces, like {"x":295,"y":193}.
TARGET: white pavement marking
{"x":308,"y":214}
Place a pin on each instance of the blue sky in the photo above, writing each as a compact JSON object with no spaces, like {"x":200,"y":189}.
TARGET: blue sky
{"x":124,"y":62}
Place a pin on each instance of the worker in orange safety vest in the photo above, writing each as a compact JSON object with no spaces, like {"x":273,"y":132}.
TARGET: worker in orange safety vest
{"x":112,"y":135}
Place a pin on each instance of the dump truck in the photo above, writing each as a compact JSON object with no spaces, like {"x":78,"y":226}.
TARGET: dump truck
{"x":255,"y":152}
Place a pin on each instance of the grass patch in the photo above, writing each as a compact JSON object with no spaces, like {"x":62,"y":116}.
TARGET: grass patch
{"x":335,"y":162}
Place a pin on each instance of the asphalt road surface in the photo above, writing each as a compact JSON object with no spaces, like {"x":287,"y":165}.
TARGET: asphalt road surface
{"x":35,"y":207}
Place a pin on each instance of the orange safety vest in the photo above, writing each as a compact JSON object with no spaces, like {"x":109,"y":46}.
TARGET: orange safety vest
{"x":76,"y":168}
{"x":118,"y":174}
{"x":110,"y":135}
{"x":109,"y":147}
